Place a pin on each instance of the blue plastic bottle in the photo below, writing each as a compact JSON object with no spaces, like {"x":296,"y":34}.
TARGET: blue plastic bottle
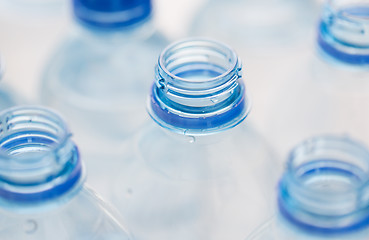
{"x":328,"y":92}
{"x":323,"y":193}
{"x":199,"y":171}
{"x":99,"y":76}
{"x":42,"y":191}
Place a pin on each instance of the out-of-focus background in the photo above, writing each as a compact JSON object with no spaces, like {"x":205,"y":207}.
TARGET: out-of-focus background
{"x":28,"y":34}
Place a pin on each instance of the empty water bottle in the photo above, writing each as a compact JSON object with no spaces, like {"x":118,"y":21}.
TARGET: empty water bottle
{"x":42,"y":191}
{"x":329,"y":92}
{"x":199,"y":171}
{"x":323,"y":193}
{"x":99,"y":76}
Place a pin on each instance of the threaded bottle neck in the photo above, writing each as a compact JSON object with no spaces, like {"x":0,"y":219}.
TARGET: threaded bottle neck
{"x":38,"y":161}
{"x":344,"y":31}
{"x":198,"y":88}
{"x":325,"y":187}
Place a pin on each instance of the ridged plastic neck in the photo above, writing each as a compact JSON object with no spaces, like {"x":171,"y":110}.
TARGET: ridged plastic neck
{"x":326,"y":186}
{"x":111,"y":14}
{"x":38,"y":161}
{"x":198,"y":88}
{"x":344,"y":31}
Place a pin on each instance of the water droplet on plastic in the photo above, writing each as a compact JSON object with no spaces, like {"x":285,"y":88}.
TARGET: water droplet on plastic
{"x":30,"y":226}
{"x":29,"y":140}
{"x":191,"y":139}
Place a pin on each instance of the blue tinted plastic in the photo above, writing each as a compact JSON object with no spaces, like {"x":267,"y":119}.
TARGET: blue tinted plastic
{"x":323,"y":193}
{"x":198,"y":86}
{"x":111,"y":14}
{"x":36,"y":141}
{"x":202,"y":167}
{"x":343,"y":31}
{"x":324,"y":188}
{"x":41,"y":182}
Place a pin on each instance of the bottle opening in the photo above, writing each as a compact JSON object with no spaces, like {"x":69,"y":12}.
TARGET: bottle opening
{"x":198,"y":86}
{"x":325,"y":187}
{"x":38,"y":161}
{"x":344,"y":31}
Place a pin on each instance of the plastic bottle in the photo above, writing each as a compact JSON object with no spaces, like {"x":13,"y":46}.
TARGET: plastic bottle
{"x":42,"y":190}
{"x":328,"y":92}
{"x":99,"y":76}
{"x":198,"y":171}
{"x":255,"y":23}
{"x":271,"y":36}
{"x":323,"y":193}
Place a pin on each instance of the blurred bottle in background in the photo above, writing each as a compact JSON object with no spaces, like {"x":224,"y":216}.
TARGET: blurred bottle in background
{"x":7,"y":96}
{"x":199,"y":171}
{"x":271,"y":36}
{"x":99,"y":76}
{"x":323,"y":193}
{"x":29,"y":29}
{"x":328,"y":92}
{"x":42,"y":191}
{"x":253,"y":24}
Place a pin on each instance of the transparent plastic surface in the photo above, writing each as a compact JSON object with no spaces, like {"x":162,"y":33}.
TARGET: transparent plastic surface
{"x":198,"y":172}
{"x":84,"y":217}
{"x":325,"y":93}
{"x":42,"y":192}
{"x":323,"y":193}
{"x":99,"y":80}
{"x":255,"y":23}
{"x":7,"y":96}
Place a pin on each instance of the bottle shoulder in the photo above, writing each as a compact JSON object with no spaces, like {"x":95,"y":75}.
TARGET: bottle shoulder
{"x":83,"y":217}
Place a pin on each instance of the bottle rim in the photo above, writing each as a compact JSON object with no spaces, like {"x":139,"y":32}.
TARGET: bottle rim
{"x":326,"y":210}
{"x":202,"y":103}
{"x":38,"y":160}
{"x":339,"y":31}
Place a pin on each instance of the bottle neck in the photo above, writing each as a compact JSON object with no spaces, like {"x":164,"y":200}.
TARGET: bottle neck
{"x":344,"y":31}
{"x":198,"y":88}
{"x":325,"y":187}
{"x":38,"y":160}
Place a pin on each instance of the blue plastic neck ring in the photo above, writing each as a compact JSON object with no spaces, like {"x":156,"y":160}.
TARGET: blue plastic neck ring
{"x":325,"y":43}
{"x":196,"y":123}
{"x":315,"y":229}
{"x":73,"y":178}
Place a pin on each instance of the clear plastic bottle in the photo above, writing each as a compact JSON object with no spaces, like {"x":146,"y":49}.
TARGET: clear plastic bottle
{"x":42,"y":191}
{"x":199,"y":171}
{"x":328,"y":92}
{"x":99,"y":76}
{"x":255,"y":22}
{"x":323,"y":193}
{"x":271,"y":36}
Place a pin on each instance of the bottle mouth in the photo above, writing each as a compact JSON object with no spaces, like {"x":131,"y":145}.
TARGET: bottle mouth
{"x":111,"y":14}
{"x":326,"y":185}
{"x":198,"y":87}
{"x":38,"y":161}
{"x":344,"y":31}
